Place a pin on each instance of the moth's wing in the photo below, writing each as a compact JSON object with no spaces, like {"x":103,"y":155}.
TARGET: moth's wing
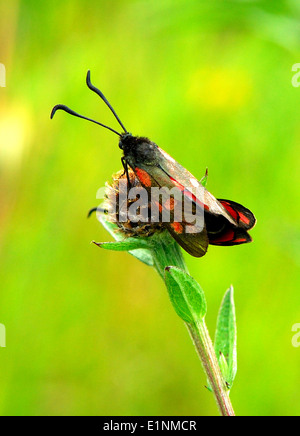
{"x":243,"y":216}
{"x":221,"y":232}
{"x":230,"y":236}
{"x":184,"y":180}
{"x":190,"y":232}
{"x":195,"y":244}
{"x":232,"y":218}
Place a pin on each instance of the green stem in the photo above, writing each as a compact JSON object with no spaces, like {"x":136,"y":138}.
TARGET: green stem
{"x":207,"y":355}
{"x":166,"y":252}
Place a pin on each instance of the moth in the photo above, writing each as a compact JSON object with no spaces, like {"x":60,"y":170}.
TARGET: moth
{"x":225,"y":222}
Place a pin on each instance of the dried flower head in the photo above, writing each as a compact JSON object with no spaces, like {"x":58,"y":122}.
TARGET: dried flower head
{"x":114,"y":203}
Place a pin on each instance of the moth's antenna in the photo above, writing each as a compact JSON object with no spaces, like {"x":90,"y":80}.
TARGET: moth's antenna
{"x":97,"y":91}
{"x":71,"y":112}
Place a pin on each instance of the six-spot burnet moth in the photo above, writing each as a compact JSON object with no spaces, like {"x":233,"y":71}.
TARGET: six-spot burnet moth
{"x":224,"y":222}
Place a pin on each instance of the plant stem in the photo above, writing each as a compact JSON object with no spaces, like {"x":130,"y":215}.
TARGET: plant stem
{"x":166,"y":252}
{"x":207,"y":355}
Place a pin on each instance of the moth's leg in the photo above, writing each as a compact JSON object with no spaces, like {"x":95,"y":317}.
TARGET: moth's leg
{"x":125,"y":166}
{"x":97,"y":209}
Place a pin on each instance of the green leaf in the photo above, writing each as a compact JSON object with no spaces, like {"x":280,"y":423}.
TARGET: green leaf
{"x":112,"y":228}
{"x":223,"y":365}
{"x":203,"y":181}
{"x":186,"y":295}
{"x":142,"y":254}
{"x":126,"y":245}
{"x":225,"y":338}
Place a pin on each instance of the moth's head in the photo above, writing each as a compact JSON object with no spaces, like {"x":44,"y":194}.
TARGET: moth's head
{"x":138,"y":146}
{"x":126,"y":141}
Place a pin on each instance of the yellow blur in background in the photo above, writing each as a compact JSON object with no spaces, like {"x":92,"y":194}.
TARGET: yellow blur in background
{"x":91,"y":332}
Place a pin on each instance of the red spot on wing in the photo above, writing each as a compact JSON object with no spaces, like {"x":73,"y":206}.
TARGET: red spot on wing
{"x":230,"y":237}
{"x":181,"y":187}
{"x":230,"y":210}
{"x":177,"y":227}
{"x":235,"y":211}
{"x":244,"y":218}
{"x":143,"y":177}
{"x":240,"y":240}
{"x":170,"y":204}
{"x":159,"y":206}
{"x":189,"y":194}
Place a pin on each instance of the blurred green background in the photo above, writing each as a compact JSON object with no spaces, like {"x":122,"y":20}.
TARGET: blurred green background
{"x":91,"y":331}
